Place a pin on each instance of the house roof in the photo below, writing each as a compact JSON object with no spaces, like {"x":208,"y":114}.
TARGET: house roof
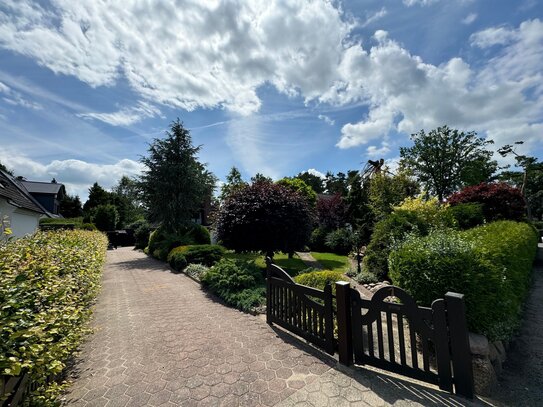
{"x":16,"y":194}
{"x":35,"y":187}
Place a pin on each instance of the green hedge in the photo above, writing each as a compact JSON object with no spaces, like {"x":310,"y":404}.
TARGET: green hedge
{"x":319,"y":279}
{"x":490,"y":264}
{"x":206,"y":254}
{"x":239,"y":283}
{"x":162,"y":242}
{"x":47,"y":283}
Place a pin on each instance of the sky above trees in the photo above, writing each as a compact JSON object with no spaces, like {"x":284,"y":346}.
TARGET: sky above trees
{"x":270,"y":87}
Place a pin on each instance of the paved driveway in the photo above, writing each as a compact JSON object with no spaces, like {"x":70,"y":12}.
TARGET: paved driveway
{"x":160,"y":340}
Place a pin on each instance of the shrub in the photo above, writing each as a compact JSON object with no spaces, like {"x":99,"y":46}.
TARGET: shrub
{"x":264,"y":217}
{"x":177,"y":260}
{"x":47,"y":283}
{"x":166,"y":241}
{"x":196,"y":270}
{"x":365,"y":277}
{"x":319,"y":279}
{"x":467,"y":215}
{"x":87,"y":226}
{"x":340,"y":241}
{"x":105,"y":217}
{"x":206,"y":254}
{"x":499,"y":200}
{"x":142,"y":230}
{"x":238,"y":283}
{"x":317,"y":242}
{"x":491,"y":265}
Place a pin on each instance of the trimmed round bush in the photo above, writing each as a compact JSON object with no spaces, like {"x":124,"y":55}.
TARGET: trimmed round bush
{"x":166,"y":241}
{"x":206,"y":254}
{"x":177,"y":260}
{"x":365,"y":277}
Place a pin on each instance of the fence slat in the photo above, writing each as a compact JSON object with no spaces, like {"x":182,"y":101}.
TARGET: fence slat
{"x":401,"y":339}
{"x":390,"y":335}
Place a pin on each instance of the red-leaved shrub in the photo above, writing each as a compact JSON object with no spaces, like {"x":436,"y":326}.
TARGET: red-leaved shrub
{"x":499,"y":200}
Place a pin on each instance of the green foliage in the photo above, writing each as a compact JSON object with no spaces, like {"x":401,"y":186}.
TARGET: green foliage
{"x":387,"y":191}
{"x":97,"y":196}
{"x":142,"y":230}
{"x":87,"y":226}
{"x":233,"y":183}
{"x":70,"y":206}
{"x":174,"y":184}
{"x":467,"y":215}
{"x":196,"y":271}
{"x":299,"y":186}
{"x":317,"y":241}
{"x":105,"y":217}
{"x":446,"y":159}
{"x":166,"y":241}
{"x":365,"y":277}
{"x":177,"y":259}
{"x":314,"y":181}
{"x":490,"y":264}
{"x":319,"y":279}
{"x":237,"y":282}
{"x":206,"y":254}
{"x":47,"y":283}
{"x":340,"y":241}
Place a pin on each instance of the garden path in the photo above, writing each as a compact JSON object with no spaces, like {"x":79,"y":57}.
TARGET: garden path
{"x":309,"y":260}
{"x":160,"y":340}
{"x":521,"y":382}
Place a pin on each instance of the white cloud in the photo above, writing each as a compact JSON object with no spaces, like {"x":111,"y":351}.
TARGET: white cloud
{"x":15,"y":98}
{"x":492,"y":36}
{"x":371,"y":18}
{"x":405,"y":94}
{"x":470,"y":18}
{"x":317,"y":173}
{"x":126,"y":116}
{"x":187,"y":55}
{"x":327,"y":119}
{"x":76,"y":175}
{"x":374,"y":151}
{"x":410,"y":3}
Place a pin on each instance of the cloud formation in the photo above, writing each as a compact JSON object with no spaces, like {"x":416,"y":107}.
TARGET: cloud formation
{"x":126,"y":116}
{"x":76,"y":175}
{"x":12,"y":97}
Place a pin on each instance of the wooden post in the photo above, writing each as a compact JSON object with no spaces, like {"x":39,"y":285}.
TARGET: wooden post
{"x":460,"y":350}
{"x":441,"y":342}
{"x":268,"y":293}
{"x":329,"y":319}
{"x":344,"y":328}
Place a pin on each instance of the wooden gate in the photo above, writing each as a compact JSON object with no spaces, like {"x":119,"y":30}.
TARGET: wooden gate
{"x":305,"y":311}
{"x":389,"y":331}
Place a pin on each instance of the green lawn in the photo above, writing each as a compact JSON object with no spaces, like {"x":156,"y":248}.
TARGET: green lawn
{"x":292,"y":266}
{"x":331,"y":261}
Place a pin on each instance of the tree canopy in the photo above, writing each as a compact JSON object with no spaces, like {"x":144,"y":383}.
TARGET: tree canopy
{"x":445,"y":160}
{"x":233,"y":182}
{"x":299,"y":186}
{"x":314,"y":181}
{"x":174,"y":184}
{"x":265,"y":217}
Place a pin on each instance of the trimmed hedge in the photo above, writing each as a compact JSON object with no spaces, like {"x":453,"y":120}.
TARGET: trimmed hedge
{"x":467,"y":215}
{"x":237,"y":282}
{"x":491,"y":265}
{"x":206,"y":254}
{"x":319,"y":279}
{"x":162,"y":242}
{"x":47,"y":283}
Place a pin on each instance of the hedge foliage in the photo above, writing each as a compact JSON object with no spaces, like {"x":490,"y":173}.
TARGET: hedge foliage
{"x":490,"y":264}
{"x":47,"y":283}
{"x":319,"y":279}
{"x":239,"y":283}
{"x":205,"y":254}
{"x":162,"y":242}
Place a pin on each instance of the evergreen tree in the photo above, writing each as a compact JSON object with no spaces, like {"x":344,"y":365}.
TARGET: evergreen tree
{"x":233,"y":183}
{"x":313,"y":181}
{"x":97,"y":196}
{"x":70,"y":206}
{"x":174,"y":184}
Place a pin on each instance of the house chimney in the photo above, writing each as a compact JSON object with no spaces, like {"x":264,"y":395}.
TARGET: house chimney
{"x":54,"y":181}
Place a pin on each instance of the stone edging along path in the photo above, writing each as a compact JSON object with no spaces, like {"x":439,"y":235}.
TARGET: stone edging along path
{"x":160,"y":340}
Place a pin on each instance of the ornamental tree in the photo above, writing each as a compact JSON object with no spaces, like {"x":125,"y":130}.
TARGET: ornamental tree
{"x":265,"y":217}
{"x":499,"y":200}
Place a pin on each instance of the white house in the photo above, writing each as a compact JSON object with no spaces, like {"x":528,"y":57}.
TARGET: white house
{"x":22,"y":210}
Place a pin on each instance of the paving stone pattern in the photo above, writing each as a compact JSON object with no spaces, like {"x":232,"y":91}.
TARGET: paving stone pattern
{"x":160,"y":340}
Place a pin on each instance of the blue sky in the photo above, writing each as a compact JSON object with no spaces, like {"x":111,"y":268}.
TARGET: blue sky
{"x":276,"y":87}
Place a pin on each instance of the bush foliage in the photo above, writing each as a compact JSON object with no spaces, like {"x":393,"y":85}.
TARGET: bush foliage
{"x":340,"y":241}
{"x":264,"y":217}
{"x":196,"y":271}
{"x":237,"y":282}
{"x":467,"y":215}
{"x":162,"y":242}
{"x":498,"y":200}
{"x":491,"y":265}
{"x":47,"y":283}
{"x":205,"y":254}
{"x":319,"y":279}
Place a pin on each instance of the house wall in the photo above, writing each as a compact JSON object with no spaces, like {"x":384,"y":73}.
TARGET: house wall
{"x":22,"y":222}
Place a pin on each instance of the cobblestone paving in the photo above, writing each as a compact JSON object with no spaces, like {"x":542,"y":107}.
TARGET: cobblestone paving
{"x":160,"y":340}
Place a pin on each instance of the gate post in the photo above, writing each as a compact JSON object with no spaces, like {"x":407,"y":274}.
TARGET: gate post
{"x":460,"y":350}
{"x":344,"y":328}
{"x":268,"y":292}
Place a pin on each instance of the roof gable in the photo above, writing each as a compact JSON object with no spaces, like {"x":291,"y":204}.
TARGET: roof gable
{"x":16,"y":194}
